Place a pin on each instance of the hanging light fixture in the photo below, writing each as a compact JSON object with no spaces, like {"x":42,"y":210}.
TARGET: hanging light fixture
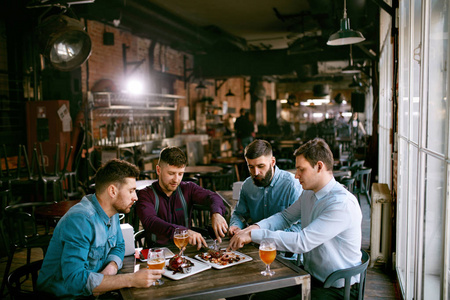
{"x":64,"y":42}
{"x":351,"y":69}
{"x":229,"y":94}
{"x":345,"y":35}
{"x":200,"y":86}
{"x":355,"y":83}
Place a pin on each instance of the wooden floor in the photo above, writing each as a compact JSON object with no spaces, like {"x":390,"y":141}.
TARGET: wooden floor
{"x":379,"y":285}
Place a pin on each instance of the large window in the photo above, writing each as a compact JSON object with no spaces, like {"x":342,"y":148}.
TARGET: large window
{"x":423,"y":151}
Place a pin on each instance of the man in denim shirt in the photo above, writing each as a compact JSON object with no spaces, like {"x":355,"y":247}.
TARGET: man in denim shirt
{"x":266,"y":192}
{"x":87,"y":247}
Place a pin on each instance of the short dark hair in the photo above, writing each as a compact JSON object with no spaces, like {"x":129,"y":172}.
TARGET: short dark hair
{"x":316,"y":150}
{"x":172,"y":156}
{"x":258,"y":148}
{"x":114,"y":171}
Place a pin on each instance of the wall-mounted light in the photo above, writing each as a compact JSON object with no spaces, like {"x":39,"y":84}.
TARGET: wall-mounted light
{"x":64,"y":42}
{"x":345,"y":35}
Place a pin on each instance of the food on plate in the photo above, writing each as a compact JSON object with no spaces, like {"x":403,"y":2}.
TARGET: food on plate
{"x":221,"y":257}
{"x":179,"y":264}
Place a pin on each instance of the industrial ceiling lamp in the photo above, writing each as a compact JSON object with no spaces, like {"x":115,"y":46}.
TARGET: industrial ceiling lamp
{"x":355,"y":83}
{"x":229,"y":94}
{"x":351,"y":69}
{"x":63,"y":41}
{"x":345,"y":35}
{"x":200,"y":86}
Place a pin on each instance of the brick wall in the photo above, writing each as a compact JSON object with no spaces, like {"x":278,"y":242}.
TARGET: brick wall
{"x":106,"y":62}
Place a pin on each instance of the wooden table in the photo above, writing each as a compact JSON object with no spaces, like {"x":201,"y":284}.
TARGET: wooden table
{"x":236,"y":161}
{"x":237,"y":280}
{"x":140,"y":184}
{"x":55,"y":210}
{"x":336,"y":173}
{"x":202,"y":169}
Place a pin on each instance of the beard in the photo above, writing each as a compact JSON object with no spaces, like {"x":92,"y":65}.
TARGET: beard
{"x":265,"y":181}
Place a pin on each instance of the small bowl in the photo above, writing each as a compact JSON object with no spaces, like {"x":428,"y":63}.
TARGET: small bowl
{"x":186,"y":269}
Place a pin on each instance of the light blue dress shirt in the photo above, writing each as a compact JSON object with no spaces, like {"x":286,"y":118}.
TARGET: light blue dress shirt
{"x":83,"y":243}
{"x":331,"y":236}
{"x":257,"y":203}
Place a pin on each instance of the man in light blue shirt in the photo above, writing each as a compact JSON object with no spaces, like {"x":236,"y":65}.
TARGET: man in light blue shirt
{"x":266,"y":192}
{"x":87,"y":247}
{"x":331,"y":219}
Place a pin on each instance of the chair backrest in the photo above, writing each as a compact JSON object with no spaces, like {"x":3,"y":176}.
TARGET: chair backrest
{"x":362,"y":180}
{"x":200,"y":215}
{"x":20,"y":277}
{"x":139,"y":239}
{"x":132,"y":218}
{"x":21,"y":223}
{"x":347,"y":182}
{"x":285,"y":163}
{"x":348,"y":273}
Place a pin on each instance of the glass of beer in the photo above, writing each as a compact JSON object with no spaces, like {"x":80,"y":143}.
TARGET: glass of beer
{"x":156,"y":260}
{"x":267,"y":253}
{"x":181,"y":239}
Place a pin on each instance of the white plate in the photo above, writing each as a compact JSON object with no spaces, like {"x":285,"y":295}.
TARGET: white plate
{"x":244,"y":259}
{"x":167,"y":253}
{"x":196,"y":268}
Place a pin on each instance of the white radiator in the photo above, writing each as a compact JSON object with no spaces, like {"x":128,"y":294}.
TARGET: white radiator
{"x":380,"y":223}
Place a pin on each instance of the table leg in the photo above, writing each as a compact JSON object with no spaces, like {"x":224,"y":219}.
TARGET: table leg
{"x":306,"y":288}
{"x":236,"y":169}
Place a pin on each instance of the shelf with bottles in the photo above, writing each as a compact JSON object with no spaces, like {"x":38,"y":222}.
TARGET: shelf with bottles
{"x":132,"y":102}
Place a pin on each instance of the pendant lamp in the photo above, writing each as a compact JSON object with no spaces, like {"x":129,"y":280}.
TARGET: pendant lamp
{"x":351,"y":69}
{"x":229,"y":94}
{"x":345,"y":36}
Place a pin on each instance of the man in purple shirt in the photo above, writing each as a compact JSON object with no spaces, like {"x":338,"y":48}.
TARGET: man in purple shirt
{"x":167,"y":203}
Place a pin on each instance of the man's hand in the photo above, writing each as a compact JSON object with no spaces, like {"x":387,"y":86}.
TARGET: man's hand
{"x":220,"y":226}
{"x":241,"y":238}
{"x":233,"y":230}
{"x":196,"y":239}
{"x":144,"y":278}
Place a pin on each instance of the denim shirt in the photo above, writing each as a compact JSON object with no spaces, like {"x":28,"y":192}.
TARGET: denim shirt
{"x":83,"y":243}
{"x":331,"y":236}
{"x":257,"y":203}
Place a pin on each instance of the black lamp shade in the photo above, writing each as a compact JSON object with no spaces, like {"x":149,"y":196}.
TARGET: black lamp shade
{"x":229,"y":94}
{"x":63,"y":42}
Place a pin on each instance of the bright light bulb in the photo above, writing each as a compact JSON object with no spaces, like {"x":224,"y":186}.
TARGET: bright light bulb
{"x":135,"y":86}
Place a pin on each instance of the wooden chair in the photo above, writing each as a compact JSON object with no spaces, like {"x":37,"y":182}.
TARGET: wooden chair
{"x":17,"y":282}
{"x":140,"y":241}
{"x":16,"y":278}
{"x":348,"y":273}
{"x":22,"y":232}
{"x":23,"y":184}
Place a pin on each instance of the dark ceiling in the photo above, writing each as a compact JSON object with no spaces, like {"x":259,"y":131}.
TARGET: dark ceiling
{"x":247,"y":37}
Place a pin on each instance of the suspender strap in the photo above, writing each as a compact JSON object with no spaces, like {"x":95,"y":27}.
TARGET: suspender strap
{"x":183,"y":203}
{"x":156,"y":210}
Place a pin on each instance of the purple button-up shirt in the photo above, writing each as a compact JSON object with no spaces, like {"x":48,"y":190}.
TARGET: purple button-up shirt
{"x":170,"y":213}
